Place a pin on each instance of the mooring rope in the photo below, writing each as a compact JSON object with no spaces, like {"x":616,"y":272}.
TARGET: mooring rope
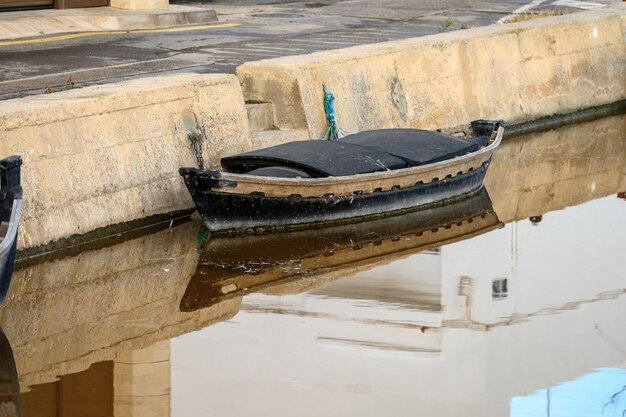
{"x":195,"y":139}
{"x":332,"y":129}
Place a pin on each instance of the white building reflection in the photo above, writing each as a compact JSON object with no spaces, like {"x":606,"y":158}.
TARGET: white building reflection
{"x":454,"y":332}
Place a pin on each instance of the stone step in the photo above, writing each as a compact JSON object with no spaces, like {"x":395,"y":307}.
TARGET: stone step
{"x":260,"y":116}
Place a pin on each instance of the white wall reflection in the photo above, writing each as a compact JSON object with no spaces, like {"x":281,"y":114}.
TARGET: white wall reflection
{"x":430,"y":335}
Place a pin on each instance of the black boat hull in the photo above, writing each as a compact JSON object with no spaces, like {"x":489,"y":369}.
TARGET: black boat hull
{"x":224,"y":212}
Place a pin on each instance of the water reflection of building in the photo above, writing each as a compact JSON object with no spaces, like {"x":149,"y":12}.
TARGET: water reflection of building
{"x":10,"y":402}
{"x":438,"y":333}
{"x":119,"y":312}
{"x":134,"y":384}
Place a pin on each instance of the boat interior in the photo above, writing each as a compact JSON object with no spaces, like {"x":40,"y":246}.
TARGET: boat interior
{"x":360,"y":153}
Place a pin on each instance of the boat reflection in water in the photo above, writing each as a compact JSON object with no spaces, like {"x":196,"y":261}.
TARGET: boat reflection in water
{"x":10,"y":404}
{"x":234,"y":266}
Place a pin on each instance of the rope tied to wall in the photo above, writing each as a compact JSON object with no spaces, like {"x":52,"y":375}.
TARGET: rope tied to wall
{"x":196,"y":138}
{"x":332,"y":130}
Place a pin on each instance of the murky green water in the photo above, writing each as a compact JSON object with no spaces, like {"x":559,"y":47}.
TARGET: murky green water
{"x":511,"y":303}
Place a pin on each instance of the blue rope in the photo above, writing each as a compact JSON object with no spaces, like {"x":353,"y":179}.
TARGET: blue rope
{"x":332,"y":130}
{"x":195,"y":138}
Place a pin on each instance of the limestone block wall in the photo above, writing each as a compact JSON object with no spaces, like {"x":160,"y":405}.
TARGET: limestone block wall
{"x":108,"y":154}
{"x":516,"y":72}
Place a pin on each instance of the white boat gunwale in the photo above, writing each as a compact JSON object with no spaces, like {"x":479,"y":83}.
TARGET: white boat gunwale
{"x":11,"y":232}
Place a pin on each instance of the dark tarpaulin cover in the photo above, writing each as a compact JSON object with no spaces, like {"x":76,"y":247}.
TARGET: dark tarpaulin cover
{"x":416,"y":147}
{"x":318,"y":158}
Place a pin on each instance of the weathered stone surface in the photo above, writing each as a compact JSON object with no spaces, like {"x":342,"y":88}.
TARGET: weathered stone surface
{"x":260,"y":116}
{"x":269,"y":138}
{"x":516,"y":72}
{"x":108,"y":154}
{"x":139,"y":4}
{"x":62,"y":316}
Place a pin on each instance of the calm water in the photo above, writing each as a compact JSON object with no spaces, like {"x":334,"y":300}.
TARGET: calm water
{"x":511,"y":303}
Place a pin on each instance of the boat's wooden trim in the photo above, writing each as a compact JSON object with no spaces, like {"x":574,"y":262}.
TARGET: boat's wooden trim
{"x":362,"y":183}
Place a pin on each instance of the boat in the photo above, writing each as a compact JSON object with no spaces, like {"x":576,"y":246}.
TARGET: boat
{"x":10,"y":210}
{"x":371,"y":174}
{"x":231,"y":266}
